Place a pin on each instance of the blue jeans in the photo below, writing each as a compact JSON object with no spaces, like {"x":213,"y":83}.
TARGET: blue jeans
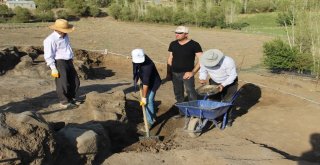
{"x":150,"y":112}
{"x":179,"y":84}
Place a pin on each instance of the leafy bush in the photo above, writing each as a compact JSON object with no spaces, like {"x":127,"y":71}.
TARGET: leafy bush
{"x":285,"y":18}
{"x":279,"y":56}
{"x":77,"y":7}
{"x":94,"y":11}
{"x":260,"y":6}
{"x":22,"y":15}
{"x":5,"y":12}
{"x":44,"y":16}
{"x":115,"y":11}
{"x":45,"y":4}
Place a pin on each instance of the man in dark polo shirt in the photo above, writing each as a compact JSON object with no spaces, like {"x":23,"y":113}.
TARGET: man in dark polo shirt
{"x":182,"y":54}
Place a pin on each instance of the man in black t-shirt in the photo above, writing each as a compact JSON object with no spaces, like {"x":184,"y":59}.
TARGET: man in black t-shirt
{"x":182,"y":53}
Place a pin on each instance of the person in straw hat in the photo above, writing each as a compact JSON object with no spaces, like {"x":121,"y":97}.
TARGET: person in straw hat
{"x":222,"y":72}
{"x":58,"y":55}
{"x":182,"y":54}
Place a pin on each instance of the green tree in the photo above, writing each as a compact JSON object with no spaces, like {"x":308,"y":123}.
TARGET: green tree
{"x":44,"y":16}
{"x":45,"y":5}
{"x":77,"y":7}
{"x":21,"y":14}
{"x":5,"y":11}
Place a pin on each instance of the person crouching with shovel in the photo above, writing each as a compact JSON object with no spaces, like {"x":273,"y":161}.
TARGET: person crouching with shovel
{"x":145,"y":70}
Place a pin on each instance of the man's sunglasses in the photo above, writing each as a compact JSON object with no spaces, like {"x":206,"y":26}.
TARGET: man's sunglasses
{"x":179,"y":32}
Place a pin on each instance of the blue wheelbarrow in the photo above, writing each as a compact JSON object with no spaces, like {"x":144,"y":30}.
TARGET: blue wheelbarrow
{"x":197,"y":113}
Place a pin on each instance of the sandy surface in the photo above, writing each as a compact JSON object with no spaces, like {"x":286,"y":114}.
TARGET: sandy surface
{"x":276,"y":116}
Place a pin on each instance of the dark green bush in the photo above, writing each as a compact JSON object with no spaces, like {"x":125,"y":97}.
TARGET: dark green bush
{"x":22,"y":15}
{"x":279,"y":56}
{"x":44,"y":16}
{"x":115,"y":11}
{"x":5,"y":12}
{"x":260,"y":6}
{"x":94,"y":11}
{"x":76,"y":7}
{"x":285,"y":18}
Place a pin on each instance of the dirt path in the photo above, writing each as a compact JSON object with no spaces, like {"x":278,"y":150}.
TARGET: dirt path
{"x":277,"y":119}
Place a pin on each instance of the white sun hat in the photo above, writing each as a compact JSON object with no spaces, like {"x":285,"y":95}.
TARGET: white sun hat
{"x":211,"y":58}
{"x":138,"y":56}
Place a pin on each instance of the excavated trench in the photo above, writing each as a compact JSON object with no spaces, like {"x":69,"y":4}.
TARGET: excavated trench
{"x":117,"y":131}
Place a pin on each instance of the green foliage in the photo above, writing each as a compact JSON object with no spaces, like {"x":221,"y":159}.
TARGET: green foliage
{"x":22,"y":15}
{"x":285,"y":18}
{"x":98,"y":3}
{"x":260,"y":6}
{"x":115,"y":10}
{"x":94,"y":11}
{"x":280,"y":56}
{"x":5,"y":12}
{"x":45,"y":4}
{"x":63,"y":14}
{"x":44,"y":16}
{"x":76,"y":7}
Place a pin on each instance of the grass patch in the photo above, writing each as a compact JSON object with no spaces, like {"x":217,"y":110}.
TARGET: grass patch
{"x":262,"y":23}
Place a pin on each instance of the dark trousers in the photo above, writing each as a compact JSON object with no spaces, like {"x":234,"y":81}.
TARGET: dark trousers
{"x":68,"y":82}
{"x":226,"y":94}
{"x":179,"y":84}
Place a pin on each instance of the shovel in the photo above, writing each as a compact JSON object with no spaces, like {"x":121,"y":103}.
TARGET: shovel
{"x":145,"y":120}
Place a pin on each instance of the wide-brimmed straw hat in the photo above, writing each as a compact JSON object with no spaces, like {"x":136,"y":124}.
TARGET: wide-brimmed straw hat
{"x":62,"y":25}
{"x":138,"y":56}
{"x":211,"y":58}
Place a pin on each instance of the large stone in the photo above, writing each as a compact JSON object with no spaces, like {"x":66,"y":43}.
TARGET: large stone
{"x":87,"y":143}
{"x":33,"y":119}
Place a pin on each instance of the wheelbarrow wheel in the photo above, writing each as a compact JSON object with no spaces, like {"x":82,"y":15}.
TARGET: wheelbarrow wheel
{"x":192,"y":127}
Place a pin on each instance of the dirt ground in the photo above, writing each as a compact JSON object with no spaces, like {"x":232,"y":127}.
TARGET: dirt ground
{"x":277,"y":116}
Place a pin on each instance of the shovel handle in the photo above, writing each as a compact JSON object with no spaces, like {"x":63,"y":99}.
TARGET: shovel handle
{"x":144,"y":112}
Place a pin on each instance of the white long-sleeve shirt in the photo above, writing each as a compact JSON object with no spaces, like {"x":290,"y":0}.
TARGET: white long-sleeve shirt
{"x":55,"y":48}
{"x":224,"y":73}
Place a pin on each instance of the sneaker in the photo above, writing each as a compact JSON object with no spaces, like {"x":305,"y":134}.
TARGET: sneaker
{"x":76,"y":101}
{"x":68,"y":105}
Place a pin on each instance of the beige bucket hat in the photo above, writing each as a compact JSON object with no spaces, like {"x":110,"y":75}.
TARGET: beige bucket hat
{"x":182,"y":29}
{"x":62,"y":25}
{"x":211,"y":57}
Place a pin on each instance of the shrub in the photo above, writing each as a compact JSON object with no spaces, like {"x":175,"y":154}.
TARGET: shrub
{"x":22,"y":15}
{"x":279,"y":56}
{"x":94,"y":11}
{"x":77,"y":7}
{"x":259,"y":6}
{"x":236,"y":25}
{"x":44,"y":16}
{"x":285,"y":18}
{"x":5,"y":12}
{"x":115,"y":11}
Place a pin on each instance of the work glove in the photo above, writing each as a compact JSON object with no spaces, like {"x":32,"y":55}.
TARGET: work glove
{"x":55,"y":73}
{"x":143,"y":101}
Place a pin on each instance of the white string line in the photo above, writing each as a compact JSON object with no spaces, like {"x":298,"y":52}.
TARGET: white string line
{"x":264,"y":86}
{"x":157,"y":62}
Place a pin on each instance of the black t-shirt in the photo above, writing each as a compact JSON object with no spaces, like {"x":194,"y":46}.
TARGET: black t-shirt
{"x":184,"y":55}
{"x":148,"y":74}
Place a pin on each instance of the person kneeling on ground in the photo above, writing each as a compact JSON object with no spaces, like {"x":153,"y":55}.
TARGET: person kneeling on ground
{"x":145,"y":70}
{"x":222,"y":72}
